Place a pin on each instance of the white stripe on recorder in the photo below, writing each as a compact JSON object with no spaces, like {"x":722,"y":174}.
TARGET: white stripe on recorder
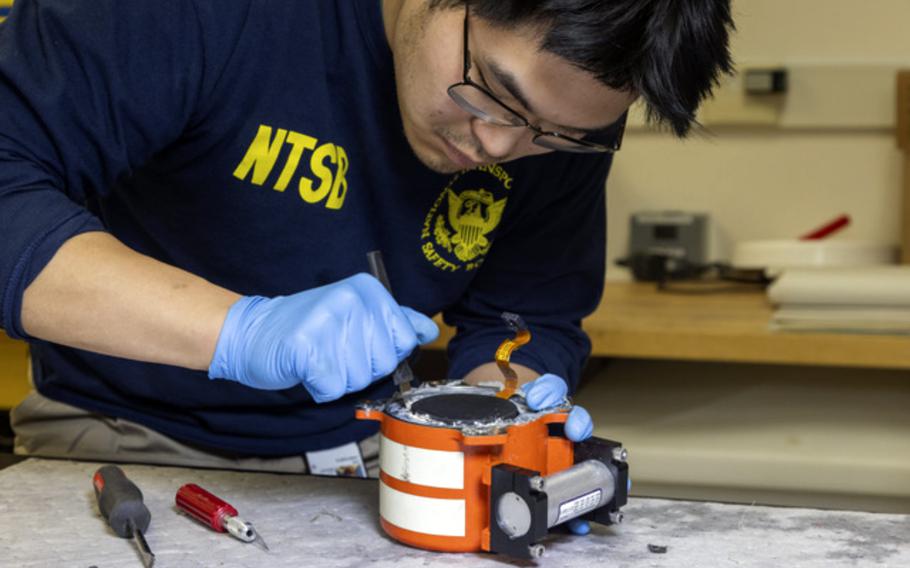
{"x":431,"y":468}
{"x":439,"y":517}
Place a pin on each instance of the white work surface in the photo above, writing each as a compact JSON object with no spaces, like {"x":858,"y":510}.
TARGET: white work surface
{"x":49,"y":518}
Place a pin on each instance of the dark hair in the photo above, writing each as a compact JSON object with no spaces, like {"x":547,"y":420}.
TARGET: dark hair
{"x":670,"y":52}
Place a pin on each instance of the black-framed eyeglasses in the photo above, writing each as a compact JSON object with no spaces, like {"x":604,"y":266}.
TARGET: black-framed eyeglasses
{"x":483,"y":104}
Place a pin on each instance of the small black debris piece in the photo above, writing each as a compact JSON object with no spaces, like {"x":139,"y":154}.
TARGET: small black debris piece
{"x":657,"y":549}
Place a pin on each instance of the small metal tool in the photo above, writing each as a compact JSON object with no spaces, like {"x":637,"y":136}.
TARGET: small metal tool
{"x":403,"y":375}
{"x":216,"y":513}
{"x":120,"y":503}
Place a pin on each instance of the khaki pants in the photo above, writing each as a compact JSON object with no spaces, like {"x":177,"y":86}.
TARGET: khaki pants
{"x":47,"y":428}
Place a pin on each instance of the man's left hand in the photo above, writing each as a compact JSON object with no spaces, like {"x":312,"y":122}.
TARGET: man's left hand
{"x":550,"y":390}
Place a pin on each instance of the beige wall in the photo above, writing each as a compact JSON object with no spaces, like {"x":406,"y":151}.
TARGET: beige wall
{"x":771,"y":182}
{"x":807,"y":436}
{"x":778,"y":182}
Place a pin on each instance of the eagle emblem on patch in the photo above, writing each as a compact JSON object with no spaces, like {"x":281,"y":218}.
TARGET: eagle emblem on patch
{"x":472,"y":215}
{"x":457,"y":231}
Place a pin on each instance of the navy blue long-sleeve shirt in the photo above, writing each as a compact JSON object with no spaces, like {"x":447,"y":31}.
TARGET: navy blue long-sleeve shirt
{"x":258,"y":144}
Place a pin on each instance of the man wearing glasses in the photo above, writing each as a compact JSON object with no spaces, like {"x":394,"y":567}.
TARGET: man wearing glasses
{"x":188,"y":190}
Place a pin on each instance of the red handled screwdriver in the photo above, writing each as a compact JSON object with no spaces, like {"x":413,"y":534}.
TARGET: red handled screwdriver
{"x":220,"y":515}
{"x":120,"y":502}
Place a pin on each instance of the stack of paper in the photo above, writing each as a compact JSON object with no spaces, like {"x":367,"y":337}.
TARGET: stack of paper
{"x":853,"y":300}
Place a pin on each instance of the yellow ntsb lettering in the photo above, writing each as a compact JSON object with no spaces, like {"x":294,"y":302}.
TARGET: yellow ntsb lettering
{"x":317,"y":165}
{"x":328,"y":163}
{"x":299,"y":143}
{"x":340,"y":185}
{"x":262,"y":155}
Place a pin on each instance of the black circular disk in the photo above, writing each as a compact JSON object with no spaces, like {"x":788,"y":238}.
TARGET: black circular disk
{"x":455,"y":408}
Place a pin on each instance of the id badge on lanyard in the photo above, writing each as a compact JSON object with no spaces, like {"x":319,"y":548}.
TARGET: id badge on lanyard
{"x":343,"y":461}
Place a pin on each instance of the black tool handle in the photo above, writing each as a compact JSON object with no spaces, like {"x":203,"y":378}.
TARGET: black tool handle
{"x":403,"y":374}
{"x":377,"y":269}
{"x":120,"y":501}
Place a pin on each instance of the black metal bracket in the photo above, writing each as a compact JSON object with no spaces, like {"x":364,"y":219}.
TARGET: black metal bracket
{"x":602,"y":450}
{"x":506,"y":479}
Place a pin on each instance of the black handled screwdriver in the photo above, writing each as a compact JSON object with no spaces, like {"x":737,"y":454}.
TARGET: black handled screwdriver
{"x":403,"y":375}
{"x":120,"y":502}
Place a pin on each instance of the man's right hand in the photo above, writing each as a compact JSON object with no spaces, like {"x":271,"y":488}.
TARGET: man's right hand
{"x":333,"y":340}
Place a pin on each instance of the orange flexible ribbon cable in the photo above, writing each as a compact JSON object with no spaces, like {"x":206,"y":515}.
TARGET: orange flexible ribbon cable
{"x":504,"y":352}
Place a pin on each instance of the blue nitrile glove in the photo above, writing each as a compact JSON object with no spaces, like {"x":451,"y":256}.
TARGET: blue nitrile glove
{"x":549,"y":390}
{"x":333,"y":340}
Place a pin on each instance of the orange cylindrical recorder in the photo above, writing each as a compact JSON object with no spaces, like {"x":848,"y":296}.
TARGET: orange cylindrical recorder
{"x":462,"y":469}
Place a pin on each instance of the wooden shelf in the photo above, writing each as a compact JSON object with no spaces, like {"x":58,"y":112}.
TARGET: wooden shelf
{"x":634,"y":320}
{"x":13,"y":371}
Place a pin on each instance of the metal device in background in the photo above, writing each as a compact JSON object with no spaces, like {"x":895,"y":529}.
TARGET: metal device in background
{"x":120,"y":503}
{"x":767,"y":81}
{"x":403,"y":375}
{"x":216,"y":513}
{"x":673,"y":246}
{"x":678,"y":238}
